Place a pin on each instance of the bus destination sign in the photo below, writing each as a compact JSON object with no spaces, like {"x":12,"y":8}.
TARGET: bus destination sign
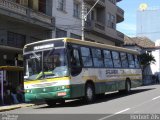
{"x":43,"y":47}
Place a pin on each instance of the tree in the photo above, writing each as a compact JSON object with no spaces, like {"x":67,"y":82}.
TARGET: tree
{"x":145,"y":60}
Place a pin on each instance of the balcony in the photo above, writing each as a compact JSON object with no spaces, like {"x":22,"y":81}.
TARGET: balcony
{"x":101,"y":3}
{"x":120,"y":15}
{"x":120,"y":36}
{"x":14,"y":10}
{"x":118,"y":0}
{"x":95,"y":26}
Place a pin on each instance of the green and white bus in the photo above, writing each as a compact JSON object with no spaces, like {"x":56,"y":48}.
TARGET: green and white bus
{"x":63,"y":68}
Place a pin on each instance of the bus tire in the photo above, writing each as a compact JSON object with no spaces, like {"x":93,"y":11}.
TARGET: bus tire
{"x":101,"y":95}
{"x":50,"y":103}
{"x":89,"y":93}
{"x":128,"y":86}
{"x":62,"y":102}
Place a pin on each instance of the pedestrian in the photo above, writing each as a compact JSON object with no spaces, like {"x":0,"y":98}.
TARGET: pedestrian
{"x":7,"y":93}
{"x":153,"y":79}
{"x":14,"y":94}
{"x":20,"y":93}
{"x":157,"y":79}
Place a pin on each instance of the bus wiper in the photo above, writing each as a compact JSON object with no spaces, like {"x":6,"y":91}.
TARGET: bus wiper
{"x":36,"y":56}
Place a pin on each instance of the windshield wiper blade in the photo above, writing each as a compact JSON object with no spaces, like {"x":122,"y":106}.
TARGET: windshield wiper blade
{"x":37,"y":57}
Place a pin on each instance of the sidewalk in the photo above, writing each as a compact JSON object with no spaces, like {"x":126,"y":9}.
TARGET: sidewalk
{"x":12,"y":107}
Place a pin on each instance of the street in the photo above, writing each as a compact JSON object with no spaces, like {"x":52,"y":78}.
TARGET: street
{"x":142,"y":100}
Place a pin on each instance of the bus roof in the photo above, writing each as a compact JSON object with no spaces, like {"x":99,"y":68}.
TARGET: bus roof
{"x":94,"y":44}
{"x":87,"y":43}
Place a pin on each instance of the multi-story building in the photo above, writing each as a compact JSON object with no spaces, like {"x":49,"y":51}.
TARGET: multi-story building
{"x":21,"y":22}
{"x":148,"y":22}
{"x":100,"y":24}
{"x":24,"y":21}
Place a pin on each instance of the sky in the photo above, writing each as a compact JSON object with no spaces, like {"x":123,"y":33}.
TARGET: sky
{"x":128,"y":26}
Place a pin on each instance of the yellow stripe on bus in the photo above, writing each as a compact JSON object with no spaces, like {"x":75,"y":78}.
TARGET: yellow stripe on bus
{"x":46,"y":80}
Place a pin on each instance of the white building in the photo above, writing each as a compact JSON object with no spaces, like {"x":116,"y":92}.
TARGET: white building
{"x":156,"y":67}
{"x":100,"y":23}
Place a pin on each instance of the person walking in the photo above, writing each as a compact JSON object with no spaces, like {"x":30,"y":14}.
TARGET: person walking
{"x":20,"y":93}
{"x":14,"y":94}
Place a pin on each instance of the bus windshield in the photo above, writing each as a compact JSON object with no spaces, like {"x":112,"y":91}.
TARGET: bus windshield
{"x":46,"y":64}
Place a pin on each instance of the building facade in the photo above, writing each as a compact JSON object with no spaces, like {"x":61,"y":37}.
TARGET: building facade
{"x":100,"y":24}
{"x":21,"y":22}
{"x":156,"y":53}
{"x":25,"y":21}
{"x":143,"y":45}
{"x":148,"y":23}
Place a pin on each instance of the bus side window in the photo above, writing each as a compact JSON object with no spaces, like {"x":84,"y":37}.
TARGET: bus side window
{"x":75,"y":59}
{"x":75,"y":62}
{"x":97,"y":57}
{"x":131,"y":61}
{"x":137,"y":64}
{"x":86,"y":57}
{"x":116,"y":59}
{"x":124,"y":60}
{"x":108,"y":59}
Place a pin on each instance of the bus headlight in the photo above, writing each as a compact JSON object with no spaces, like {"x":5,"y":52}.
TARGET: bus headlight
{"x":27,"y":91}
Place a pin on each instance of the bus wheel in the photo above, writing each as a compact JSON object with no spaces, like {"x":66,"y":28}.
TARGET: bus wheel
{"x":51,"y":103}
{"x":61,"y":102}
{"x":102,"y":95}
{"x":89,"y":93}
{"x":128,"y":87}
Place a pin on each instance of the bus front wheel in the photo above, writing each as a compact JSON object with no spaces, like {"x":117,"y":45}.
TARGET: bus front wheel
{"x":89,"y":93}
{"x":50,"y":103}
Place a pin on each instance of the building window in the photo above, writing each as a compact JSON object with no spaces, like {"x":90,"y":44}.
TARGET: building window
{"x":42,"y":6}
{"x":34,"y":39}
{"x":113,"y":1}
{"x":92,"y":15}
{"x":61,"y":33}
{"x":111,"y":20}
{"x":89,"y":17}
{"x":62,"y":5}
{"x":15,"y":40}
{"x":22,"y":2}
{"x":76,"y":10}
{"x":75,"y":36}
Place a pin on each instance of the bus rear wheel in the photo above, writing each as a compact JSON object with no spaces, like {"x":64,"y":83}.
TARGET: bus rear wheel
{"x":89,"y":93}
{"x":128,"y":87}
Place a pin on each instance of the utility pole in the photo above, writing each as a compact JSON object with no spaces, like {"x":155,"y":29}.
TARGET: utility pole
{"x":84,"y":16}
{"x":83,"y":19}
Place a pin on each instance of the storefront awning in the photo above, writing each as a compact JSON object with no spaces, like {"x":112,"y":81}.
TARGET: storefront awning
{"x":11,"y":68}
{"x":2,"y":47}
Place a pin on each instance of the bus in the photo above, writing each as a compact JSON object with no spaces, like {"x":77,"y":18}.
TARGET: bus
{"x":64,"y":68}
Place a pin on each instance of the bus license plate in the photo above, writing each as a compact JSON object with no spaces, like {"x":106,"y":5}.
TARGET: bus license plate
{"x":62,"y":94}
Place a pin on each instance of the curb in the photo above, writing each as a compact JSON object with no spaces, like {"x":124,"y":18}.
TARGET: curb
{"x":8,"y":108}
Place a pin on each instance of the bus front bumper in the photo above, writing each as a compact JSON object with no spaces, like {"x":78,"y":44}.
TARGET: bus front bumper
{"x":32,"y":96}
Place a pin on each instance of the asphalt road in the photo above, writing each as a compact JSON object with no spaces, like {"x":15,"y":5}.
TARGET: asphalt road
{"x":141,"y":103}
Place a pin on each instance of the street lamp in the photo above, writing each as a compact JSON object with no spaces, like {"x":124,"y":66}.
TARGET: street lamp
{"x":84,"y":16}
